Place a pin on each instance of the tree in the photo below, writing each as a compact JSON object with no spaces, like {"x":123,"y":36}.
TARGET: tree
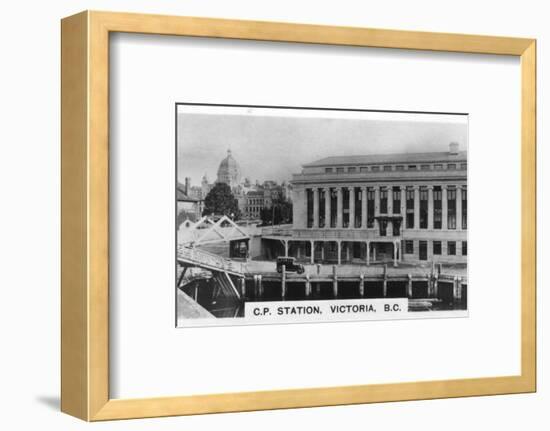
{"x":220,"y":201}
{"x":280,"y":211}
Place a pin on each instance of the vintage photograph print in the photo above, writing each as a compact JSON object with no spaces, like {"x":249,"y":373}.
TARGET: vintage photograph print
{"x":291,"y":215}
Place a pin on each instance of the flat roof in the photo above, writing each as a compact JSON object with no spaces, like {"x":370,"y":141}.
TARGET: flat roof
{"x":443,"y":156}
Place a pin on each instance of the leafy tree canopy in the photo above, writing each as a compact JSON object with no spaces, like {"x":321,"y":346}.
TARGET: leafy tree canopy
{"x":220,"y":201}
{"x":280,"y":212}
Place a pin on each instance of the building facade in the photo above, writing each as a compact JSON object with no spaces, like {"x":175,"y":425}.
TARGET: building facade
{"x":252,"y":198}
{"x":394,"y":207}
{"x":253,"y":203}
{"x":260,"y":197}
{"x":189,"y":207}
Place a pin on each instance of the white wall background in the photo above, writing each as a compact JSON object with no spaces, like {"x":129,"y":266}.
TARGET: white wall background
{"x":29,"y":215}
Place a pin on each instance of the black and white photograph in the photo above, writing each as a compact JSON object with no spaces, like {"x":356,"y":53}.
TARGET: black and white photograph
{"x":293,"y":214}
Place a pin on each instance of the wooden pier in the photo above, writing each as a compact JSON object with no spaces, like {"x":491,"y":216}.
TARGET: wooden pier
{"x":311,"y":283}
{"x":239,"y":282}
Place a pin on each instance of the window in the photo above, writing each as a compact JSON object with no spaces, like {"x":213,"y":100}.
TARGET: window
{"x":383,"y":201}
{"x":387,"y":168}
{"x":333,"y":207}
{"x":410,"y":209}
{"x":328,"y":170}
{"x":411,"y":168}
{"x":464,"y":209}
{"x":451,"y":166}
{"x":463,"y":166}
{"x":400,"y":168}
{"x":339,"y":170}
{"x":438,"y":212}
{"x":375,"y":168}
{"x":370,"y":207}
{"x":423,"y":250}
{"x":451,"y":209}
{"x":409,"y":247}
{"x":437,"y":248}
{"x":352,"y":170}
{"x":358,"y":197}
{"x":396,"y":196}
{"x":364,"y":169}
{"x":396,"y":228}
{"x":345,"y":207}
{"x":451,"y":248}
{"x":424,"y":167}
{"x":309,"y":193}
{"x":464,"y":248}
{"x":383,"y":227}
{"x":423,"y":208}
{"x":438,"y":167}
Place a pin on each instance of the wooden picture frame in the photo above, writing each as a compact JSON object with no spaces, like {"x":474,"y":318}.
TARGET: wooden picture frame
{"x":85,"y":224}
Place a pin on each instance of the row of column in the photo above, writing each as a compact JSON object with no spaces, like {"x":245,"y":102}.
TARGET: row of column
{"x":377,"y":213}
{"x":397,"y":252}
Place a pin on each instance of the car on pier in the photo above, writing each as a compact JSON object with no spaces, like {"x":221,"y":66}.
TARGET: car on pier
{"x":290,"y":265}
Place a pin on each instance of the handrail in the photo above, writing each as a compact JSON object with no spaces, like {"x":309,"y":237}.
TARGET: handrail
{"x":209,"y":259}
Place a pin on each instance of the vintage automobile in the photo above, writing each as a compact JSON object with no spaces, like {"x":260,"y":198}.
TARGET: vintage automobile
{"x":290,"y":265}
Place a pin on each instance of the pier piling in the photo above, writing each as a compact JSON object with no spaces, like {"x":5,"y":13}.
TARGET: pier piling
{"x":385,"y":282}
{"x":458,"y":289}
{"x":334,"y":282}
{"x":243,"y":288}
{"x":283,"y":283}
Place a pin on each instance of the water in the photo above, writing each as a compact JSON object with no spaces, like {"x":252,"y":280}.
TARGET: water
{"x":210,"y":297}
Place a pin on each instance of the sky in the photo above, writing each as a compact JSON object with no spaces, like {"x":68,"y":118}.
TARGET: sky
{"x":272,"y":144}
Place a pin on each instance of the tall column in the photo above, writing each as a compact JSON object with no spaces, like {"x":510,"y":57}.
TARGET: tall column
{"x":400,"y":251}
{"x":327,"y":207}
{"x":351,"y":207}
{"x":444,"y":208}
{"x":376,"y":201}
{"x":403,"y":210}
{"x":363,"y":207}
{"x":315,"y":191}
{"x":430,"y":207}
{"x":368,"y":253}
{"x":389,"y":227}
{"x":458,"y":208}
{"x":416,"y":207}
{"x":312,"y":245}
{"x":390,"y":210}
{"x":339,"y":207}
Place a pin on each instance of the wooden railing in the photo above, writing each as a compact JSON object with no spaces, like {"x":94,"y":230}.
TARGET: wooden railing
{"x":209,"y":260}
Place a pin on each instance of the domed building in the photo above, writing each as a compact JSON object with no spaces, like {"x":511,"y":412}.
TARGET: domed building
{"x":229,"y":171}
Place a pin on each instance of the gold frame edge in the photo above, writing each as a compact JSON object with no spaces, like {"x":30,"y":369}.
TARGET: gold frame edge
{"x":84,"y":209}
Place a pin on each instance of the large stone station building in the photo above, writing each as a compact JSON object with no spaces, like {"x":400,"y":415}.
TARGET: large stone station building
{"x":408,"y":207}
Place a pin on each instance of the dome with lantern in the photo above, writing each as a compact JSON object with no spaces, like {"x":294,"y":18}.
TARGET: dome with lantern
{"x":229,"y":171}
